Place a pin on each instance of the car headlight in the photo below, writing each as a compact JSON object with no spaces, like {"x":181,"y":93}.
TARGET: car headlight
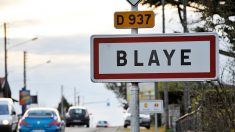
{"x":5,"y":122}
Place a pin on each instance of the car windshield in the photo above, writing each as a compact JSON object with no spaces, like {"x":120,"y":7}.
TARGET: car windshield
{"x":103,"y":122}
{"x":41,"y":113}
{"x":4,"y":109}
{"x":77,"y":111}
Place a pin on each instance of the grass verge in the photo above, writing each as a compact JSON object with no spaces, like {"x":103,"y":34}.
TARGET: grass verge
{"x":152,"y":129}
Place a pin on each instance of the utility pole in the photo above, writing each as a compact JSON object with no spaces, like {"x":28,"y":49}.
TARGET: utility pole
{"x":75,"y":97}
{"x":24,"y":87}
{"x":25,"y":54}
{"x":78,"y":100}
{"x":5,"y":50}
{"x":62,"y":102}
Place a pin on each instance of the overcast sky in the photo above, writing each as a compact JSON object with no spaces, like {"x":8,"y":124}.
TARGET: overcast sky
{"x":63,"y":28}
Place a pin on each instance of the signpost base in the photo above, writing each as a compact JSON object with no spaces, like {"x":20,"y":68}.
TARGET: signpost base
{"x":134,"y":107}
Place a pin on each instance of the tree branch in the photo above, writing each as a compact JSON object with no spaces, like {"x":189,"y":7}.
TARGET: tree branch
{"x":180,"y":15}
{"x":226,"y":53}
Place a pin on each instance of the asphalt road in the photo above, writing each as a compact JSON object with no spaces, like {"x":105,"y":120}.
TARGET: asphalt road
{"x":83,"y":129}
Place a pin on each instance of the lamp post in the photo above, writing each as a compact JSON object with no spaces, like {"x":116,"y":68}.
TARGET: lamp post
{"x":25,"y":70}
{"x":24,"y":106}
{"x":5,"y":49}
{"x":7,"y":93}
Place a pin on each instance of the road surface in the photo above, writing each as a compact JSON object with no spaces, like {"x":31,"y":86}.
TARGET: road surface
{"x":83,"y":129}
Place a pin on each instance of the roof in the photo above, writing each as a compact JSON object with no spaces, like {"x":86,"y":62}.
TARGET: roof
{"x":6,"y":100}
{"x":42,"y":108}
{"x":75,"y":107}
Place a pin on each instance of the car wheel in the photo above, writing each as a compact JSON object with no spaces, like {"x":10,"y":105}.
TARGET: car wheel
{"x":87,"y":125}
{"x":147,"y":127}
{"x":16,"y":128}
{"x":125,"y":126}
{"x":67,"y":125}
{"x":10,"y":129}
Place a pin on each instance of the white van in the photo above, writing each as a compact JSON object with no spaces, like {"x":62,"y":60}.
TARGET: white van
{"x":8,"y":117}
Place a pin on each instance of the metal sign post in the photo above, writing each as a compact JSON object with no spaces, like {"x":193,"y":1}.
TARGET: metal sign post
{"x":156,"y":97}
{"x":134,"y":107}
{"x":134,"y":92}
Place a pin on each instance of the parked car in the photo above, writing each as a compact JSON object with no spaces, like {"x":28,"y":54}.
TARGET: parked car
{"x":77,"y":115}
{"x":41,"y":120}
{"x":102,"y":124}
{"x":144,"y":119}
{"x":8,"y":117}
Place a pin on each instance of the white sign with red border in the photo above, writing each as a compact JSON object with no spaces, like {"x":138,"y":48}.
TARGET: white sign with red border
{"x":156,"y":57}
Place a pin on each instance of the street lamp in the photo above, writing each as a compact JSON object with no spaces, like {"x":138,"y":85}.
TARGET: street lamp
{"x":25,"y":56}
{"x":24,"y":42}
{"x":7,"y":94}
{"x":24,"y":87}
{"x":16,"y":45}
{"x":36,"y":66}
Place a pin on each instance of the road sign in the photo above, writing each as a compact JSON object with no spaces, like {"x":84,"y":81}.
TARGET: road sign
{"x":151,"y":106}
{"x":156,"y":57}
{"x":134,"y":19}
{"x":134,"y":2}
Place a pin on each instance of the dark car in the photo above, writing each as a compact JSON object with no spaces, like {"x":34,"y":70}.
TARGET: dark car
{"x":77,"y":115}
{"x":144,"y":120}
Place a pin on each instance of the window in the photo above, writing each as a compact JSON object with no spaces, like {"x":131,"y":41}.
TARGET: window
{"x":41,"y":113}
{"x":13,"y":110}
{"x":77,"y":112}
{"x":4,"y":109}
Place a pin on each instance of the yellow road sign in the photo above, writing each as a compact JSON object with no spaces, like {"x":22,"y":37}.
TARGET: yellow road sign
{"x":134,"y":19}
